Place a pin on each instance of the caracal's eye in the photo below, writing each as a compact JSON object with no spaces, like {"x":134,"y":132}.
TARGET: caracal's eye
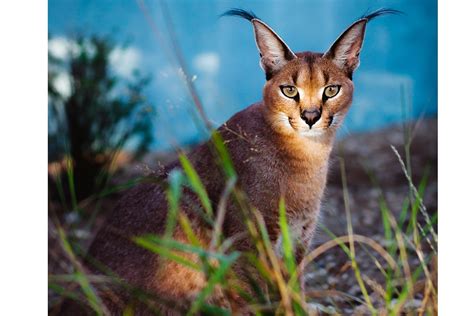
{"x":331,"y":91}
{"x":289,"y":91}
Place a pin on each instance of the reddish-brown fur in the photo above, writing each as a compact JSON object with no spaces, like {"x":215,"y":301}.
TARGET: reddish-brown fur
{"x":275,"y":154}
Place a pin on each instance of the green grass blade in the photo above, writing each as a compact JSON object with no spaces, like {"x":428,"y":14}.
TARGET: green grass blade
{"x":355,"y":266}
{"x":218,"y":277}
{"x":70,"y":179}
{"x":225,"y":160}
{"x":403,"y":214}
{"x":188,"y":230}
{"x":165,"y":252}
{"x":287,"y":244}
{"x":196,"y":184}
{"x":80,"y":277}
{"x":344,"y":248}
{"x":173,"y":194}
{"x":288,"y":255}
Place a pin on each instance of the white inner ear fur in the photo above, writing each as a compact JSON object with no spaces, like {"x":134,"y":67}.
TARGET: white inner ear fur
{"x":348,"y":46}
{"x":271,"y":47}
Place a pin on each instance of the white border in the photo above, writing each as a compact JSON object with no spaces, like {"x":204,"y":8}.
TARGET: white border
{"x":23,"y":123}
{"x":23,"y":163}
{"x":456,"y":159}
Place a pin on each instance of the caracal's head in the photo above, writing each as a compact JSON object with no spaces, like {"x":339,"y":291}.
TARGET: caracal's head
{"x":308,"y":94}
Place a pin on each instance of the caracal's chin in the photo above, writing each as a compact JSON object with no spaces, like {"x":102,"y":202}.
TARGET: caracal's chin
{"x":312,"y":133}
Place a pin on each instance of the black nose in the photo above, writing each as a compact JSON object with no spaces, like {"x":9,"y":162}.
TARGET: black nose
{"x":311,"y":116}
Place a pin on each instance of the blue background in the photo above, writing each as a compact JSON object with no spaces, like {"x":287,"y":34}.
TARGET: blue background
{"x":398,"y":60}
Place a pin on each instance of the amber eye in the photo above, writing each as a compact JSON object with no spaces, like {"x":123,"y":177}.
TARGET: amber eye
{"x":289,"y":91}
{"x":331,"y":91}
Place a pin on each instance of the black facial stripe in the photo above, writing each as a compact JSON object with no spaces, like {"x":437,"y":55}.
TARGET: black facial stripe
{"x":310,"y":69}
{"x":288,"y":54}
{"x":294,"y":76}
{"x":310,"y":59}
{"x":325,"y":77}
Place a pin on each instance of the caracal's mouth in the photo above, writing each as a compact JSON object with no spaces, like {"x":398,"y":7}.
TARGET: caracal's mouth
{"x":303,"y":129}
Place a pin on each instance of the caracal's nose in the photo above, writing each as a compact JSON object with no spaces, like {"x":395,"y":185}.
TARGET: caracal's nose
{"x":311,"y":116}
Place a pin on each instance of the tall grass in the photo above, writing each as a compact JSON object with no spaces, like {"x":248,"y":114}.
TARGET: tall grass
{"x":278,"y":272}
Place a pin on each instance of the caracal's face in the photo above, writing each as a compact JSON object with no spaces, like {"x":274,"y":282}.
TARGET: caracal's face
{"x":308,"y":94}
{"x":308,"y":97}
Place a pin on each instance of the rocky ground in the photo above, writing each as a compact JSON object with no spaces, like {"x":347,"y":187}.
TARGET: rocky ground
{"x":331,"y":282}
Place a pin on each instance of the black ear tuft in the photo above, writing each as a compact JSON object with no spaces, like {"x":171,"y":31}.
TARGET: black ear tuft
{"x":274,"y":53}
{"x":345,"y":51}
{"x":248,"y":15}
{"x":383,"y":11}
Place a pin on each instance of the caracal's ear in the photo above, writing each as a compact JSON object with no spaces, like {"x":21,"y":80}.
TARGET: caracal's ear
{"x":274,"y":53}
{"x":346,"y":49}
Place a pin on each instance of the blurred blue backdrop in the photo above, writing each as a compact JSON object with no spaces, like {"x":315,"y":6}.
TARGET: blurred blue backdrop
{"x":398,"y":61}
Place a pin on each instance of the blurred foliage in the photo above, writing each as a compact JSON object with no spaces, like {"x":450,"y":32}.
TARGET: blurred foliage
{"x":94,"y":113}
